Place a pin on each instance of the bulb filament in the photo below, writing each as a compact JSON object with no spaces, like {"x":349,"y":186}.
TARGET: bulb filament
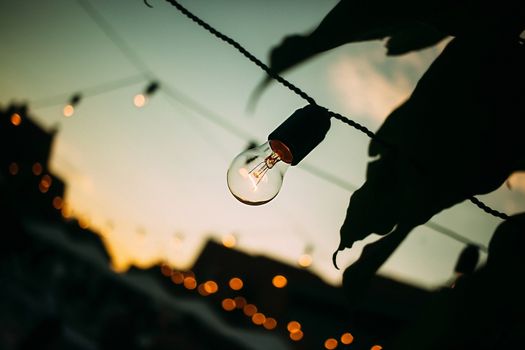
{"x":260,"y":170}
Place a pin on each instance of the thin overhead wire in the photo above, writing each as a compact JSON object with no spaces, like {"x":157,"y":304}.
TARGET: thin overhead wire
{"x":90,"y":91}
{"x":301,"y":93}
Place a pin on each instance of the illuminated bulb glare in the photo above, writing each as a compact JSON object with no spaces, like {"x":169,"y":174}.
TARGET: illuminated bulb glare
{"x":330,"y":344}
{"x":228,"y":304}
{"x":139,"y":100}
{"x":229,"y":241}
{"x":270,"y":323}
{"x":68,"y":111}
{"x":236,"y":283}
{"x":16,"y":119}
{"x":293,"y":326}
{"x":376,"y":347}
{"x":256,"y":175}
{"x":347,"y":338}
{"x":13,"y":168}
{"x":296,"y":336}
{"x":305,"y":260}
{"x":177,"y":277}
{"x":279,"y":281}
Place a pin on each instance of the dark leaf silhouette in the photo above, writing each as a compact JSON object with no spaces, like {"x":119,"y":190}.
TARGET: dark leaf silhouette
{"x":484,"y":310}
{"x":459,"y":134}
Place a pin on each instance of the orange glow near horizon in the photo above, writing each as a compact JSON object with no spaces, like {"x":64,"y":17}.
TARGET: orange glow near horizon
{"x":330,"y":344}
{"x":229,"y":241}
{"x":347,"y":338}
{"x":236,"y":283}
{"x":16,"y":119}
{"x":279,"y":281}
{"x":228,"y":304}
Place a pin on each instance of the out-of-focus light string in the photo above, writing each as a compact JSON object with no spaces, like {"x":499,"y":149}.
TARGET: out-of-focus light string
{"x":300,"y":92}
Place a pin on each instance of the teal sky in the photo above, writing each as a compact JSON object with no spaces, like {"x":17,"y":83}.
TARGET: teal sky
{"x":153,"y":179}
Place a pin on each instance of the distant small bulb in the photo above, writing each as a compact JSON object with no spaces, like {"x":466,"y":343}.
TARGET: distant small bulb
{"x":256,"y":175}
{"x":139,"y":100}
{"x":69,"y":110}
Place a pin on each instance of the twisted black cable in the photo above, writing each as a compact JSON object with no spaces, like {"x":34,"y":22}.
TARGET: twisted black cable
{"x":300,"y":92}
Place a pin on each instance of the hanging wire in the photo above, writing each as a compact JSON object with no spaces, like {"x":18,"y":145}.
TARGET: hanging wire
{"x":299,"y":92}
{"x":90,"y":91}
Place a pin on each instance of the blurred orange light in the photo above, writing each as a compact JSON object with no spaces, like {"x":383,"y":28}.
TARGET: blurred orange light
{"x":258,"y":318}
{"x":58,"y":202}
{"x":16,"y":119}
{"x":42,"y":187}
{"x":211,"y":287}
{"x":13,"y":168}
{"x":166,"y":270}
{"x":296,"y":336}
{"x":37,"y":168}
{"x":177,"y":277}
{"x":202,"y":290}
{"x":270,"y":323}
{"x":236,"y":283}
{"x":228,"y":304}
{"x":293,"y":326}
{"x":240,"y":302}
{"x":83,"y":223}
{"x":330,"y":344}
{"x":66,"y":211}
{"x":68,"y":110}
{"x":190,"y":283}
{"x":347,"y":338}
{"x":279,"y":281}
{"x":229,"y":241}
{"x":249,"y":309}
{"x":376,"y":347}
{"x":305,"y":260}
{"x":46,"y":181}
{"x":139,"y":100}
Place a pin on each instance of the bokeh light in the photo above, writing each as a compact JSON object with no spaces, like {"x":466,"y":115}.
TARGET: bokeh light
{"x":279,"y":281}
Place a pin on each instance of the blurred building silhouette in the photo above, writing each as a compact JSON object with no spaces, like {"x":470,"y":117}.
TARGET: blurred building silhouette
{"x":59,"y":291}
{"x":24,"y":164}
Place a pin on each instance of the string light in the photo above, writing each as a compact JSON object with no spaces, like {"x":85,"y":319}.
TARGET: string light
{"x":16,"y":119}
{"x":347,"y":338}
{"x":140,"y":100}
{"x":279,"y":281}
{"x":69,"y":109}
{"x":330,"y":343}
{"x":256,"y":175}
{"x":229,"y":241}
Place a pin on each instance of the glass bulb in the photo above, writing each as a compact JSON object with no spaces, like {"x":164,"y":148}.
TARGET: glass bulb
{"x":256,"y":175}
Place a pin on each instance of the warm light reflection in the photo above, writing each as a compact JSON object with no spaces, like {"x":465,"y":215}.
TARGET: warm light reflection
{"x":347,"y":338}
{"x":46,"y":181}
{"x":13,"y":168}
{"x":258,"y":318}
{"x":293,"y":326}
{"x":228,"y":304}
{"x":37,"y":169}
{"x":270,"y":323}
{"x":229,"y":241}
{"x":279,"y":281}
{"x":83,"y":222}
{"x":190,"y":283}
{"x":211,"y":287}
{"x":166,"y":270}
{"x":139,"y":100}
{"x":177,"y":277}
{"x":16,"y":119}
{"x":68,"y":110}
{"x":202,"y":290}
{"x":305,"y":260}
{"x":330,"y":344}
{"x":240,"y":302}
{"x":296,"y":336}
{"x":58,"y":202}
{"x":236,"y":283}
{"x":43,"y":188}
{"x":249,"y":309}
{"x":66,"y":211}
{"x":376,"y":347}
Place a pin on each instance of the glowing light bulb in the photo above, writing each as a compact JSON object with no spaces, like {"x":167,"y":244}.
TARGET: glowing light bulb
{"x":256,"y":175}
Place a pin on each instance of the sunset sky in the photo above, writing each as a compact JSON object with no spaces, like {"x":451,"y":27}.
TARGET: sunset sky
{"x":153,"y":179}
